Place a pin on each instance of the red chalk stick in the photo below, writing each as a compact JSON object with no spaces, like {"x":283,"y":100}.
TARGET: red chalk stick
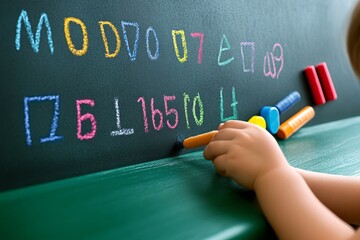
{"x":326,"y":81}
{"x":314,"y":83}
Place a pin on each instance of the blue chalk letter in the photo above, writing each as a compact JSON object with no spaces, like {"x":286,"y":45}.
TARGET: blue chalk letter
{"x":34,"y":42}
{"x":132,"y":54}
{"x":157,"y":52}
{"x":55,"y":120}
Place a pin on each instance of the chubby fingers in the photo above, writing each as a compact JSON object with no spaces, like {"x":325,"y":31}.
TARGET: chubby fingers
{"x":215,"y":149}
{"x":234,"y":124}
{"x":220,"y":143}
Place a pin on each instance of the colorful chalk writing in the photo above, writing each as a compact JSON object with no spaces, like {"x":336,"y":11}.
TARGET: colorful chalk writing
{"x":87,"y":116}
{"x":72,"y":48}
{"x":272,"y":66}
{"x":157,"y":116}
{"x":33,"y":41}
{"x":55,"y":120}
{"x":163,"y":113}
{"x":106,"y":45}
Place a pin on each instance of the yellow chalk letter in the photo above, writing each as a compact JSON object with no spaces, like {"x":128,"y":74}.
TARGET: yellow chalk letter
{"x":71,"y":46}
{"x":116,"y":33}
{"x":183,"y":44}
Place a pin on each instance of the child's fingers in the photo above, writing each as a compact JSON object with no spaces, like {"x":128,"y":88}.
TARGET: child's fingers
{"x":235,"y":124}
{"x":225,"y":134}
{"x":215,"y":149}
{"x":220,"y":163}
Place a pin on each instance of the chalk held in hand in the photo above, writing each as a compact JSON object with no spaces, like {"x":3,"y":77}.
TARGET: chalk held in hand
{"x":199,"y":140}
{"x":204,"y":138}
{"x":290,"y":126}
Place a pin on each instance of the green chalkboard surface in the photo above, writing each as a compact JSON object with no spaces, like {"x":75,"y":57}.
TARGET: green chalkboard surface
{"x":88,"y":86}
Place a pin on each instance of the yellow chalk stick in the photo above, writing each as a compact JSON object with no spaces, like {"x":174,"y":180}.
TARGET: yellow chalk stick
{"x":258,"y":120}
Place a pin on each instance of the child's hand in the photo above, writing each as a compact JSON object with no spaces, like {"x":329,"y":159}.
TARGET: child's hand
{"x":244,"y":152}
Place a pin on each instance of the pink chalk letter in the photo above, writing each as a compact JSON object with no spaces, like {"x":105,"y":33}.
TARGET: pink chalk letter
{"x":154,"y":112}
{"x":87,"y":116}
{"x":170,"y":111}
{"x":201,"y":38}
{"x":146,"y":125}
{"x":272,"y":70}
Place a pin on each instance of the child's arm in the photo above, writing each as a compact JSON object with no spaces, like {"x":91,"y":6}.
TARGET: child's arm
{"x":252,"y":157}
{"x":341,"y":194}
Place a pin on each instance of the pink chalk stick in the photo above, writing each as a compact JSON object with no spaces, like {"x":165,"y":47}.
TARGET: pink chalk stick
{"x":326,"y":81}
{"x":314,"y":83}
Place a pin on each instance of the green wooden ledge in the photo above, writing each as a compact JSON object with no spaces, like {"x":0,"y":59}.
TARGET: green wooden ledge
{"x":172,"y":198}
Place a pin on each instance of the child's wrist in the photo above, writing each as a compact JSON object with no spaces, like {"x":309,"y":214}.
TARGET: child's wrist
{"x":280,"y":173}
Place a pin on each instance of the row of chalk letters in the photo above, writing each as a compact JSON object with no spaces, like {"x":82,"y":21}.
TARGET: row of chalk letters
{"x":272,"y":65}
{"x":154,"y":117}
{"x":269,"y":115}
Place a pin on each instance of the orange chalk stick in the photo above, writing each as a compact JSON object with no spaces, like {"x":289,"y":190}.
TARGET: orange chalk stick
{"x":290,"y":126}
{"x":199,"y":140}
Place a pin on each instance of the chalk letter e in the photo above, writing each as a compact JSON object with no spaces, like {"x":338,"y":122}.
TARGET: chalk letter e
{"x":222,"y":49}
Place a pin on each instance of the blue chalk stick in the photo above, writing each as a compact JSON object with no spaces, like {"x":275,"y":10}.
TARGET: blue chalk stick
{"x":288,"y":101}
{"x":272,"y":118}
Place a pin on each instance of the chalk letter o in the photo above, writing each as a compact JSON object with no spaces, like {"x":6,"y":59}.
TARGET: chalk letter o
{"x":71,"y":46}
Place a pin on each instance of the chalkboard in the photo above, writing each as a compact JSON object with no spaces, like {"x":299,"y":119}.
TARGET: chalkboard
{"x":94,"y":85}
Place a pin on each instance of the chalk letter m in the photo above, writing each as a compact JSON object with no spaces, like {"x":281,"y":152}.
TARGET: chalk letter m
{"x":33,"y":41}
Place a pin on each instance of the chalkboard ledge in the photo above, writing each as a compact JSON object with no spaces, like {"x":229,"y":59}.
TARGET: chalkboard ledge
{"x":173,"y":198}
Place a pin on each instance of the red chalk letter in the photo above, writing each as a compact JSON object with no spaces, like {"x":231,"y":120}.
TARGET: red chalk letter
{"x":87,"y":116}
